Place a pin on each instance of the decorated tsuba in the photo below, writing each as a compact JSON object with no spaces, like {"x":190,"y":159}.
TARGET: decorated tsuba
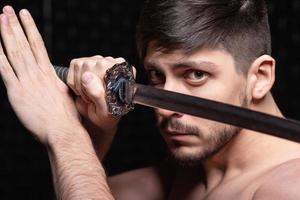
{"x":120,"y":83}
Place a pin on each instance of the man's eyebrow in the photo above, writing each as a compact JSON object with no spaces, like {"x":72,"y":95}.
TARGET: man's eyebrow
{"x":205,"y":65}
{"x":150,"y":65}
{"x":202,"y":64}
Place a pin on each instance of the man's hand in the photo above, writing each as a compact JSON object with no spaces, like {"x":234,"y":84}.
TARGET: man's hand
{"x":39,"y":98}
{"x":42,"y":103}
{"x":86,"y":78}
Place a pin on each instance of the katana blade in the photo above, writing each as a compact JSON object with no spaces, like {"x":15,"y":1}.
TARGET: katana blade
{"x":122,"y":93}
{"x":217,"y":111}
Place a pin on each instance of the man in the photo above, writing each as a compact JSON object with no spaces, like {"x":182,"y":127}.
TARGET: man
{"x":218,"y":50}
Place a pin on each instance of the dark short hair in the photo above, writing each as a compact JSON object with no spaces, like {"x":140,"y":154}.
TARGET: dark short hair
{"x":240,"y":27}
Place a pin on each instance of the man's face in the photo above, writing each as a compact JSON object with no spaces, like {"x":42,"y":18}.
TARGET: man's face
{"x":209,"y":74}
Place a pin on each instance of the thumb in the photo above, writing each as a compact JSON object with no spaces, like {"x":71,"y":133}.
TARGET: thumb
{"x":93,"y":88}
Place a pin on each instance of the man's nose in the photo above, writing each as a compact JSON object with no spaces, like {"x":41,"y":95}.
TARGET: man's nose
{"x":170,"y":86}
{"x":166,"y":113}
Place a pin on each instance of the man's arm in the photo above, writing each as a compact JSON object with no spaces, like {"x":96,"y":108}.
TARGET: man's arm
{"x":42,"y":103}
{"x":77,"y":172}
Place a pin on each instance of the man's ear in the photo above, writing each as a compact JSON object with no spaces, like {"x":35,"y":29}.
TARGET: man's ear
{"x":261,"y":77}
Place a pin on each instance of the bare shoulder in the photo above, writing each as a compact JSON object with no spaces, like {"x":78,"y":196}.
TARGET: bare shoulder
{"x":283,"y":182}
{"x":145,"y":183}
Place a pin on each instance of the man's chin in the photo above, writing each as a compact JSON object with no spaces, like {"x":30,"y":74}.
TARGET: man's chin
{"x":186,"y":157}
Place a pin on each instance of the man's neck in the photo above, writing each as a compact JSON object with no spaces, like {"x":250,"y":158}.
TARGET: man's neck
{"x":248,"y":151}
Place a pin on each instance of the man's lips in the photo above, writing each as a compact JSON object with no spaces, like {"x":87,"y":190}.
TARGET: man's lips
{"x":176,"y":135}
{"x":172,"y":132}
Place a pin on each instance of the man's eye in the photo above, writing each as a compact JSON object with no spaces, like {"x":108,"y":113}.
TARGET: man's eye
{"x":196,"y":76}
{"x":155,"y":77}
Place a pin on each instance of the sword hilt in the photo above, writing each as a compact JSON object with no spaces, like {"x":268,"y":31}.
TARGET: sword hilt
{"x":62,"y":72}
{"x":119,"y":81}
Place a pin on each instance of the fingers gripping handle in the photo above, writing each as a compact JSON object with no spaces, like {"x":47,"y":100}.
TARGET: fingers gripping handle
{"x":119,"y":81}
{"x":62,"y":72}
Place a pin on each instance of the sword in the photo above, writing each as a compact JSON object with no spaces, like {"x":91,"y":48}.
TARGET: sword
{"x":122,"y":92}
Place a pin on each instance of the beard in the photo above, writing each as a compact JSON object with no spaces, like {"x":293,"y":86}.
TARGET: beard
{"x":219,"y":135}
{"x":217,"y":139}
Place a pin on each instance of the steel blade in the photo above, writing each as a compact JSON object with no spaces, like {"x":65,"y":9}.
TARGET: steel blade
{"x":217,"y":111}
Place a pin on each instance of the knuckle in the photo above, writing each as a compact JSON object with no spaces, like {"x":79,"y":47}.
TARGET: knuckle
{"x":14,"y":22}
{"x":97,"y":56}
{"x":100,"y":69}
{"x":96,"y":59}
{"x":14,"y":54}
{"x":77,"y":67}
{"x":74,"y":61}
{"x":109,"y":58}
{"x":89,"y":68}
{"x":77,"y":61}
{"x":120,"y":59}
{"x":88,"y":64}
{"x":37,"y":43}
{"x":101,"y":63}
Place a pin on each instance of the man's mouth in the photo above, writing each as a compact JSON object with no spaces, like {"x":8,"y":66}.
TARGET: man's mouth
{"x":176,"y":126}
{"x":173,"y":132}
{"x":179,"y":133}
{"x":179,"y":137}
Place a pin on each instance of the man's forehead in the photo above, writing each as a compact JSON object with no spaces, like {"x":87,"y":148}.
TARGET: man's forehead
{"x":156,"y":57}
{"x":159,"y":55}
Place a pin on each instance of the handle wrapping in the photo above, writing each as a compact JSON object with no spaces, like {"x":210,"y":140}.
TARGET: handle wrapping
{"x":62,"y":72}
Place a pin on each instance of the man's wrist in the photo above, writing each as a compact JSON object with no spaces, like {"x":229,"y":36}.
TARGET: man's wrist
{"x":76,"y":168}
{"x":65,"y":134}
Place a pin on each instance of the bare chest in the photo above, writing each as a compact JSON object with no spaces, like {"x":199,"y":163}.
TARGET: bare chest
{"x":241,"y":188}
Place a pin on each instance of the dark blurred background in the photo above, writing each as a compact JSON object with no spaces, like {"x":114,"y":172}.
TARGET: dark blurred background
{"x":73,"y":28}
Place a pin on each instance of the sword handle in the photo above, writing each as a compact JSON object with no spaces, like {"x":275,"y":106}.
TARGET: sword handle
{"x":62,"y":72}
{"x":119,"y":91}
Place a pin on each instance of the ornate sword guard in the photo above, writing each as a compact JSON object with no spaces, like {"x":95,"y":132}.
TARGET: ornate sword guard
{"x":120,"y":83}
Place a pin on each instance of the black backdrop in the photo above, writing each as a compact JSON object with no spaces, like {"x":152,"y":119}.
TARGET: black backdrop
{"x":74,"y":28}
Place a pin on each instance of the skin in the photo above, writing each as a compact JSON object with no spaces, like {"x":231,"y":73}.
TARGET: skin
{"x":249,"y":165}
{"x":51,"y":116}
